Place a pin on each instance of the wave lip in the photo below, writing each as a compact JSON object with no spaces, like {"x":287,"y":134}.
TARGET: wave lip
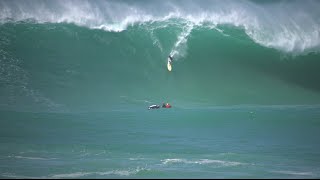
{"x":289,"y":26}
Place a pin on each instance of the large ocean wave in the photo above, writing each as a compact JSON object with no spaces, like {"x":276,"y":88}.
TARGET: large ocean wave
{"x":290,"y":26}
{"x":93,"y":55}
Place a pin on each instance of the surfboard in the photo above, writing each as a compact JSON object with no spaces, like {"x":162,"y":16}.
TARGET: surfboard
{"x":169,"y":65}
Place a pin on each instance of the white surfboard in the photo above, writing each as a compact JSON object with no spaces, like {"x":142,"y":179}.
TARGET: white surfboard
{"x":169,"y":65}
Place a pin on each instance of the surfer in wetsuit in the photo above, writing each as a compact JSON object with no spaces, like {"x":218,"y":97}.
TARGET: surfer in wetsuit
{"x":171,"y":58}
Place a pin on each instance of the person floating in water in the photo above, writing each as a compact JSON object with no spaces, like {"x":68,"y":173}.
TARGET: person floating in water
{"x":166,"y":105}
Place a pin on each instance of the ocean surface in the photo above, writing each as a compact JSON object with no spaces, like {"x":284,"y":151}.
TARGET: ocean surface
{"x":77,"y":77}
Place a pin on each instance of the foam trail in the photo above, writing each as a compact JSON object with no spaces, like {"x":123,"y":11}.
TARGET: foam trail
{"x":180,"y":47}
{"x":128,"y":172}
{"x":295,"y":173}
{"x":202,"y":161}
{"x":31,"y":158}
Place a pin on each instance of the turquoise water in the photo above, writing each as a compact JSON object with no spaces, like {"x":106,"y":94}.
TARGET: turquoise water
{"x":272,"y":142}
{"x":76,"y":80}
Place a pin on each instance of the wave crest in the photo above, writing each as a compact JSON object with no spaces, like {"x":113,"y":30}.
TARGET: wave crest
{"x":289,"y":26}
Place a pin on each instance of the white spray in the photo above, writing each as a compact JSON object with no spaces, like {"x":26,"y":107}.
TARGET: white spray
{"x":180,"y":47}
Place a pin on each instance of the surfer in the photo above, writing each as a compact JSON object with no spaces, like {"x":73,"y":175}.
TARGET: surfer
{"x":166,"y":105}
{"x":169,"y":63}
{"x":170,"y":59}
{"x":154,"y":106}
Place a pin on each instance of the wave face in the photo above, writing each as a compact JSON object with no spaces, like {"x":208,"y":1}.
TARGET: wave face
{"x":87,"y":56}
